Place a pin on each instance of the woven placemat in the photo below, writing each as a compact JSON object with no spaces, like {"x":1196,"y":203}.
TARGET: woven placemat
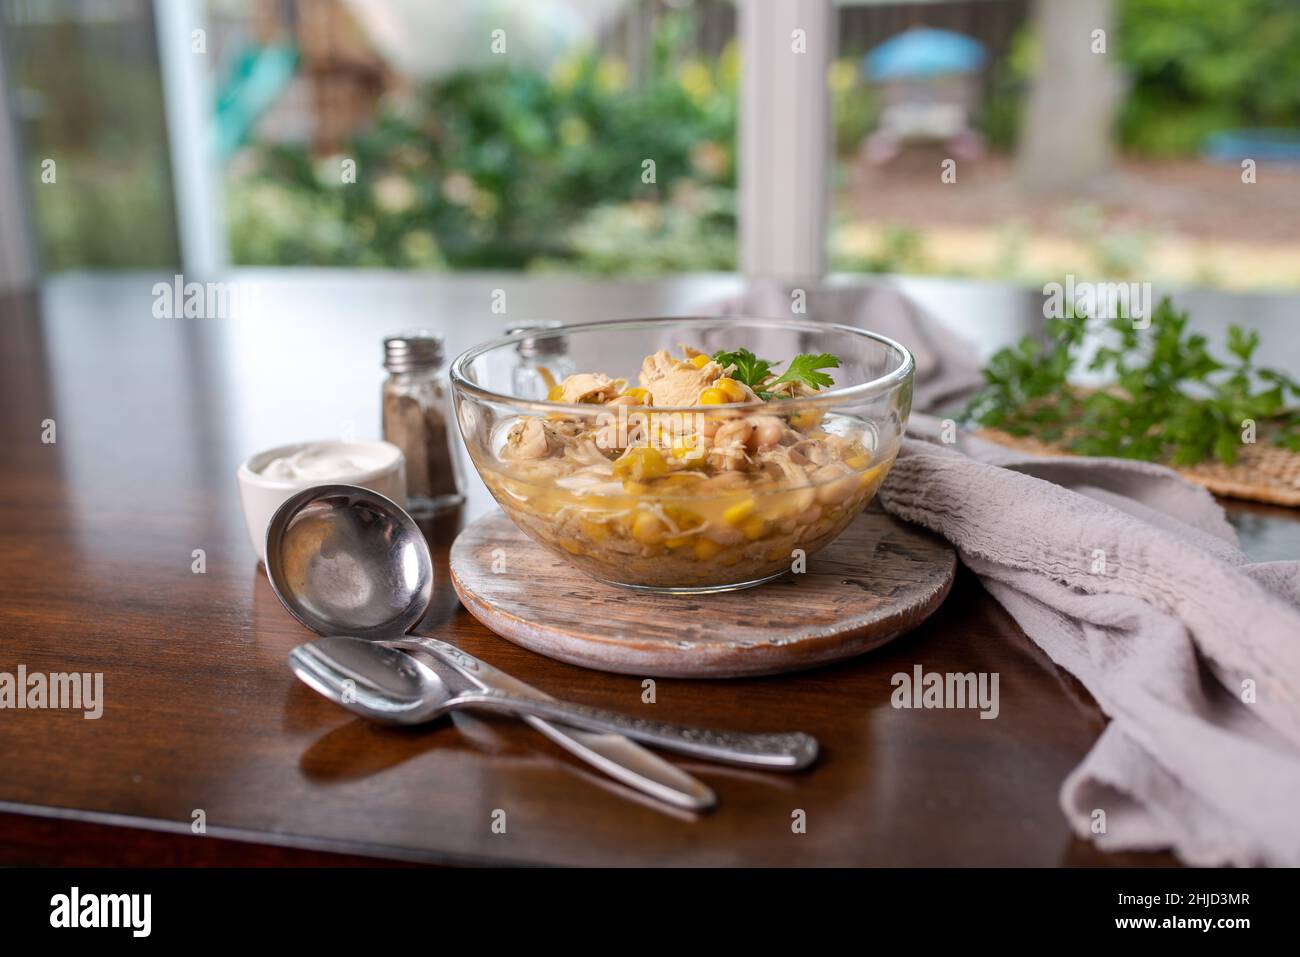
{"x":1263,"y":472}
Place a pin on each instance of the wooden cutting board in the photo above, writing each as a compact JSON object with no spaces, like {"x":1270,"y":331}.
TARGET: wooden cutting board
{"x":878,"y":580}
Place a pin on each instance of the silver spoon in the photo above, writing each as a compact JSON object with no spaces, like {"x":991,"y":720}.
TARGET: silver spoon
{"x":346,"y":560}
{"x":391,"y":686}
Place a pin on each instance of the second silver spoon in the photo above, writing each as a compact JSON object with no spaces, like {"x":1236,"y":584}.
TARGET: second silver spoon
{"x":397,"y":688}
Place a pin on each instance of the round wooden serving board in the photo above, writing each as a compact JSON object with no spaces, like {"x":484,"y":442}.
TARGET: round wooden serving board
{"x":878,"y":580}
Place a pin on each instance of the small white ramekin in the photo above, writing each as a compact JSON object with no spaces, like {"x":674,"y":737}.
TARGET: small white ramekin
{"x":261,"y":496}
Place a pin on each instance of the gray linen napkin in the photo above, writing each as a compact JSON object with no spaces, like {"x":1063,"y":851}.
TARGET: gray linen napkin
{"x":1131,"y":579}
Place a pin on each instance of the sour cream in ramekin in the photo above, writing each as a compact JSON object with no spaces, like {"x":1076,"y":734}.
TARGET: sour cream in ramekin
{"x":268,"y":478}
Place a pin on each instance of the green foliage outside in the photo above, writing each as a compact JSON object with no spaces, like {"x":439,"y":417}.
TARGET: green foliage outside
{"x":1194,"y":67}
{"x":1198,"y":66}
{"x":1007,"y":84}
{"x":511,"y":169}
{"x":508,"y":168}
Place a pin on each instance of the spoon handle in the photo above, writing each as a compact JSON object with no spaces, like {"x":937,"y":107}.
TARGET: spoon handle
{"x":790,"y":751}
{"x":616,"y":755}
{"x":628,"y":763}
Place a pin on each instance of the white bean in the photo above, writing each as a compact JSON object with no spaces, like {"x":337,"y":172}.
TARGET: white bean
{"x":767,"y":432}
{"x":833,"y":485}
{"x":737,"y":431}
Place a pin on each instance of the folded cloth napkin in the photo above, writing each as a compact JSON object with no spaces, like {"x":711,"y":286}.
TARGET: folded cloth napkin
{"x":1130,"y":578}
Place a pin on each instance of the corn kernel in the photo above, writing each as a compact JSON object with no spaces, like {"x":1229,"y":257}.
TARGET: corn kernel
{"x":555,"y":393}
{"x":860,"y":461}
{"x":805,"y":421}
{"x":706,"y":549}
{"x":739,"y":512}
{"x":641,"y":463}
{"x":732,"y":389}
{"x":690,"y":451}
{"x":684,"y":517}
{"x":636,"y":392}
{"x":593,"y":530}
{"x":753,"y":527}
{"x":677,"y":541}
{"x":700,"y":361}
{"x":647,"y":530}
{"x":713,"y":396}
{"x":872,"y":476}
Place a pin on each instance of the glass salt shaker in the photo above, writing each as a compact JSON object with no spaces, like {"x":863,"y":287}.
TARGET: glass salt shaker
{"x":544,"y":361}
{"x":417,"y":419}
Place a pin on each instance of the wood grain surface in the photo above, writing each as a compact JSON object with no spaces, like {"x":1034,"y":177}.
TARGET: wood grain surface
{"x":879,"y":579}
{"x":98,"y":535}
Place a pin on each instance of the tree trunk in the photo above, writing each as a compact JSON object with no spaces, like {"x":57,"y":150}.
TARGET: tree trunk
{"x":1065,"y":137}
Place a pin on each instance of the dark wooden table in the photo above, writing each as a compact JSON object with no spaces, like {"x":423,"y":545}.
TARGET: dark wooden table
{"x":201,"y":713}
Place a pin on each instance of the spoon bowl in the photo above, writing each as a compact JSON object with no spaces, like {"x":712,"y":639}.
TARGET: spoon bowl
{"x":346,"y":560}
{"x":371,"y":680}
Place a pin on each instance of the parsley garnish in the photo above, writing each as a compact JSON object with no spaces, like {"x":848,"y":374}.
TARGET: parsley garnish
{"x":753,"y":371}
{"x":803,"y":368}
{"x":750,"y":369}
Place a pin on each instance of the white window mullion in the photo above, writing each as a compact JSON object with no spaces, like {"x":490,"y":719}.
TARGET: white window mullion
{"x":784,"y":136}
{"x":187,"y":95}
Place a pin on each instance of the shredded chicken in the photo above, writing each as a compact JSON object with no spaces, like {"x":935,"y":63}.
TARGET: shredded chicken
{"x":529,"y":439}
{"x":683,"y":385}
{"x":656,"y":366}
{"x":590,"y":387}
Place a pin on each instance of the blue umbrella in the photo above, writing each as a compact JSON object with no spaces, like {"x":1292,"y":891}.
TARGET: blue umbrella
{"x":923,"y":52}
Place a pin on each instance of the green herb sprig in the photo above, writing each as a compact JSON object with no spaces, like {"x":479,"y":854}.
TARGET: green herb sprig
{"x":804,"y":368}
{"x":754,"y":372}
{"x":1169,"y":400}
{"x":750,"y":369}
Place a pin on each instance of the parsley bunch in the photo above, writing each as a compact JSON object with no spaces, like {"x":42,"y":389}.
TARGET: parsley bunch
{"x":1169,"y":400}
{"x":754,"y":372}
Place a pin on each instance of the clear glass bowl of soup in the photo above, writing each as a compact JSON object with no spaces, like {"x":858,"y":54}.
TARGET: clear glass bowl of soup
{"x":671,"y":460}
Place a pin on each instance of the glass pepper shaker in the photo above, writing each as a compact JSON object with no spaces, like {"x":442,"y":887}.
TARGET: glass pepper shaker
{"x":544,"y":361}
{"x":416,"y":418}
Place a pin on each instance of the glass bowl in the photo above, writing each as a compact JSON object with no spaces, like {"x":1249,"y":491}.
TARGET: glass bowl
{"x":688,"y":498}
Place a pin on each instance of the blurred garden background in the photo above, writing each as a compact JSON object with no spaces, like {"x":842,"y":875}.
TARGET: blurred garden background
{"x":462,"y":158}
